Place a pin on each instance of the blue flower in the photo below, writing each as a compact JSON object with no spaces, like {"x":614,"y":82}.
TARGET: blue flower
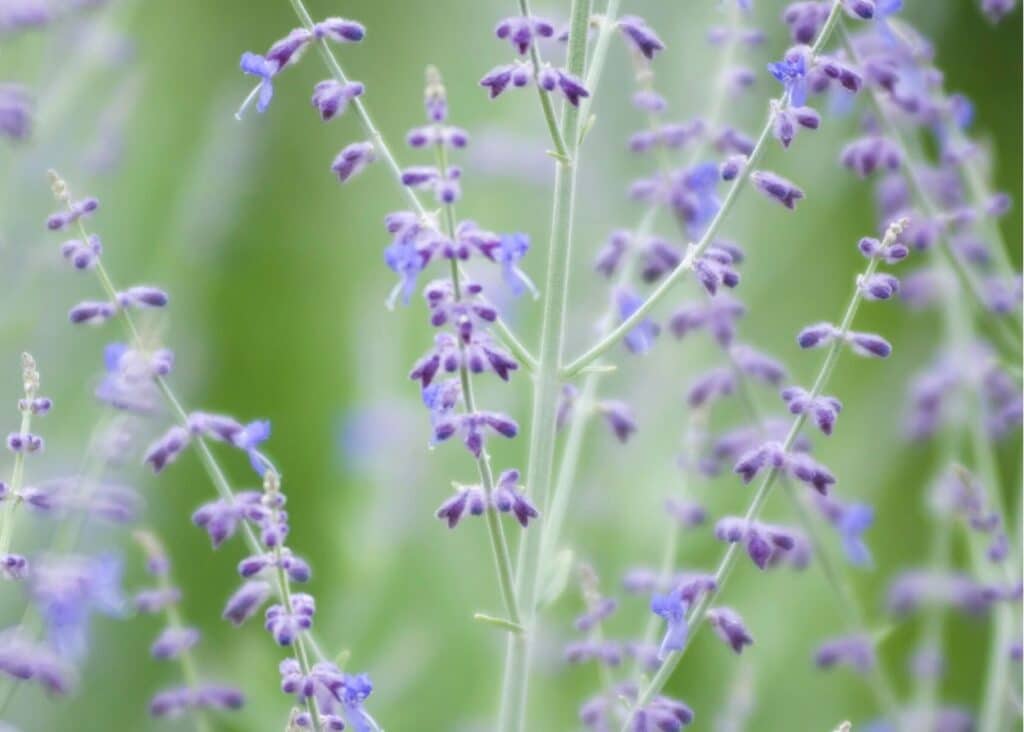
{"x":673,"y":609}
{"x":641,"y":338}
{"x":260,"y":66}
{"x":251,"y":437}
{"x":406,"y":261}
{"x":354,"y":692}
{"x":791,"y":72}
{"x":66,"y":593}
{"x":855,"y":520}
{"x":513,"y":247}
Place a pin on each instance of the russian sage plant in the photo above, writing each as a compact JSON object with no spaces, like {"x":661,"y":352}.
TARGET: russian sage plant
{"x":933,"y":242}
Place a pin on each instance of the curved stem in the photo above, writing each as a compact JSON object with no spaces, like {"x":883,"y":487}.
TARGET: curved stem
{"x":696,"y":616}
{"x":558,"y":137}
{"x":1008,"y":335}
{"x":609,"y":340}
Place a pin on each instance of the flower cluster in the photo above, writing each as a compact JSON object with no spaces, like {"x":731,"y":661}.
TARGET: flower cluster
{"x":176,"y":641}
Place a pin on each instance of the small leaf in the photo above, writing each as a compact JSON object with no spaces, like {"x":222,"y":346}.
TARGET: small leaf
{"x":501,"y":623}
{"x":557,"y":577}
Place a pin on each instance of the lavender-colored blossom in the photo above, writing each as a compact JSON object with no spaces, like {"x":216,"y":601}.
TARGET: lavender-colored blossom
{"x":246,"y":601}
{"x":66,"y":591}
{"x":76,"y":210}
{"x":522,"y":31}
{"x":285,"y":624}
{"x":142,"y":297}
{"x":642,"y":37}
{"x":757,"y":365}
{"x":672,"y":609}
{"x":509,"y":498}
{"x":601,"y":610}
{"x":855,"y":651}
{"x":172,"y":642}
{"x":619,"y":417}
{"x":776,"y":187}
{"x":15,"y":111}
{"x":82,"y":254}
{"x":264,"y":69}
{"x":823,"y":410}
{"x":730,"y":628}
{"x":352,"y":160}
{"x":331,"y":97}
{"x":156,"y":600}
{"x":467,"y":500}
{"x":869,"y":154}
{"x":641,"y":338}
{"x":688,"y":513}
{"x":174,"y":702}
{"x":23,"y":659}
{"x":708,"y":387}
{"x":791,"y":72}
{"x":339,"y":30}
{"x":805,"y":19}
{"x":92,"y":312}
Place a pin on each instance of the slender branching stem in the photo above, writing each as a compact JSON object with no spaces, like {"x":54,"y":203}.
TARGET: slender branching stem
{"x":210,"y":463}
{"x":550,"y":118}
{"x":546,"y":380}
{"x":696,"y":616}
{"x":496,"y":533}
{"x":505,"y":334}
{"x":17,"y":478}
{"x":1006,"y":329}
{"x":604,"y":344}
{"x":595,"y":69}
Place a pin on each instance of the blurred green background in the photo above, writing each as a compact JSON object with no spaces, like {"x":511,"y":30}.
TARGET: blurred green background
{"x":278,"y":289}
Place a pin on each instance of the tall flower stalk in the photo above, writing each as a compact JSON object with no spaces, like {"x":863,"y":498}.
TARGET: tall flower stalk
{"x":775,"y":459}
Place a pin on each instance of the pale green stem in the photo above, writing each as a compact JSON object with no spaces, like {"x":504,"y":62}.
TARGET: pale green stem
{"x":595,"y":68}
{"x":17,"y":478}
{"x":187,"y":661}
{"x":495,"y":531}
{"x":697,"y":613}
{"x":609,"y":340}
{"x":209,"y":462}
{"x":546,"y":382}
{"x":1008,"y":335}
{"x":557,"y":136}
{"x":380,"y":144}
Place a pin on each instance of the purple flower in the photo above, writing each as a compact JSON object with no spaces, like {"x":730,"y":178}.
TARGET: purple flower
{"x":521,"y":31}
{"x":856,"y":518}
{"x":76,"y":210}
{"x":142,"y":297}
{"x":769,"y":455}
{"x":352,"y":160}
{"x":82,"y":254}
{"x":221,"y":518}
{"x":174,"y":702}
{"x":822,"y":409}
{"x":641,"y":338}
{"x":286,"y":624}
{"x":68,"y":590}
{"x":246,"y":601}
{"x":339,"y":30}
{"x":619,"y":417}
{"x":673,"y":609}
{"x":512,"y":249}
{"x":855,"y":651}
{"x":601,"y":609}
{"x":156,"y":600}
{"x":91,"y":312}
{"x":172,"y":642}
{"x":640,"y":35}
{"x":791,"y":72}
{"x":330,"y":97}
{"x":15,"y":111}
{"x":246,"y":437}
{"x":469,"y":499}
{"x":869,"y":345}
{"x":805,"y":19}
{"x":730,"y":628}
{"x":868,"y":154}
{"x":776,"y":187}
{"x":508,"y":498}
{"x":757,"y":365}
{"x":22,"y":659}
{"x":265,"y":70}
{"x":713,"y":385}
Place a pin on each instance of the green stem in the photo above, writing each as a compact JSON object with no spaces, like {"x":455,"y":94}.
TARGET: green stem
{"x":1006,"y":329}
{"x":595,"y":68}
{"x":546,"y":382}
{"x":609,"y":340}
{"x":557,"y":136}
{"x":380,"y":144}
{"x":495,"y":531}
{"x":17,"y":478}
{"x":729,"y":559}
